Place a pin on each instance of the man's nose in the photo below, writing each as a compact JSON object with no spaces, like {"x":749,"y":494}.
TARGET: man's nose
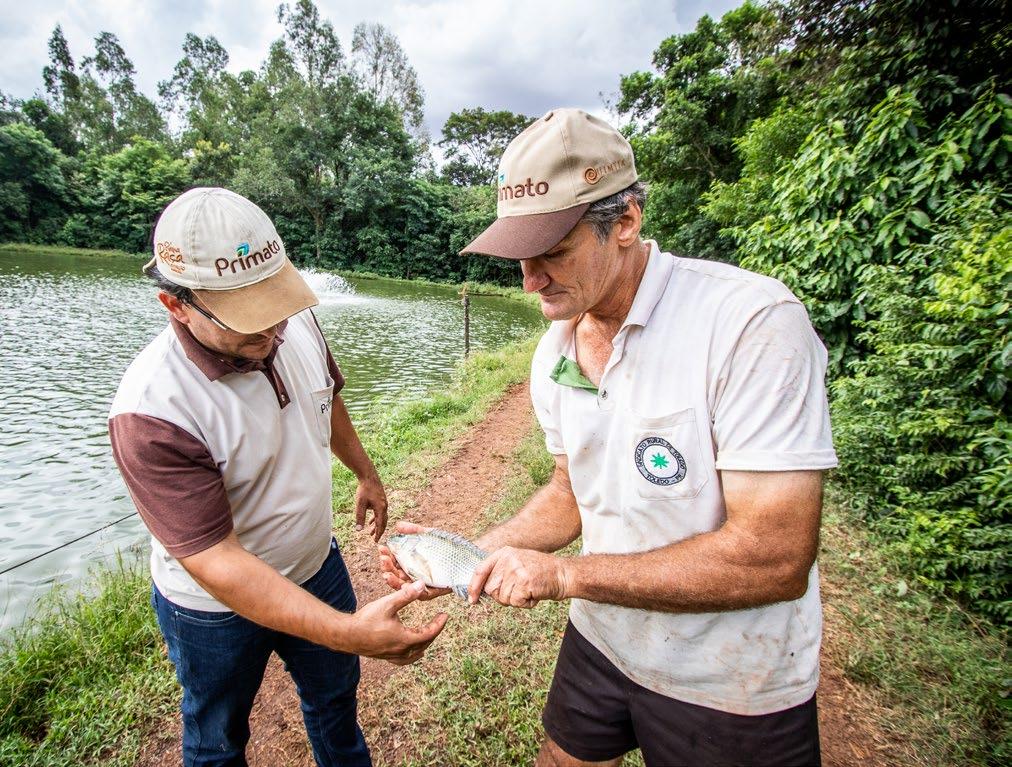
{"x":534,"y":278}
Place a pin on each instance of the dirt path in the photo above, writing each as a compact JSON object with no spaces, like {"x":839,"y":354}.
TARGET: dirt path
{"x":465,"y":485}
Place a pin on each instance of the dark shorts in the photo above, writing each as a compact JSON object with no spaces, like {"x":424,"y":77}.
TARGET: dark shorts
{"x":595,"y":713}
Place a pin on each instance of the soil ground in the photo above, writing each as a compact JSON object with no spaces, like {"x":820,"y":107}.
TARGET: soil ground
{"x":459,"y":490}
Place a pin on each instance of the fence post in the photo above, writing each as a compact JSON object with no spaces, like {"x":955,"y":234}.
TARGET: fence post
{"x":467,"y":319}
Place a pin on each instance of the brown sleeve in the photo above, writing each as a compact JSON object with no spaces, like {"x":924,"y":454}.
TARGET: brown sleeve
{"x":332,"y":368}
{"x":174,"y":482}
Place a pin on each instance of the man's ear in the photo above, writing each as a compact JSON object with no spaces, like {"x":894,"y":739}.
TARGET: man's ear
{"x":174,"y":306}
{"x":629,"y":225}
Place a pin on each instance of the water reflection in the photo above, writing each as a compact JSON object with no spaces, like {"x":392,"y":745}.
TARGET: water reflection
{"x":69,"y":326}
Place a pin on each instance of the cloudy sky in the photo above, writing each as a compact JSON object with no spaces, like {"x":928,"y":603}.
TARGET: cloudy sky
{"x":523,"y":55}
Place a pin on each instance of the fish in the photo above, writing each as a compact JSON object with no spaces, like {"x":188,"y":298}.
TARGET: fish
{"x":437,"y":558}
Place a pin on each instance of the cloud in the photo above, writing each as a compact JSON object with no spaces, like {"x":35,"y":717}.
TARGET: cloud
{"x":526,"y":55}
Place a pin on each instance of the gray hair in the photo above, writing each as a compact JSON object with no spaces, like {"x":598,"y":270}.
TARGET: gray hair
{"x":602,"y":214}
{"x":181,"y":292}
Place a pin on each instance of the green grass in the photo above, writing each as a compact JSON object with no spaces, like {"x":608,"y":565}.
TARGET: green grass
{"x":477,"y":697}
{"x":940,"y":675}
{"x":62,"y":250}
{"x":474,"y":288}
{"x":407,"y":442}
{"x":79,"y":684}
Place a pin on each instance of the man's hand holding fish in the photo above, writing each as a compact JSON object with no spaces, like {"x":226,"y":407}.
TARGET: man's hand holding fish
{"x":519,"y":577}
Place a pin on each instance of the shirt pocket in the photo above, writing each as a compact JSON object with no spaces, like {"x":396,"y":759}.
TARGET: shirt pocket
{"x":323,"y":403}
{"x":665,"y":456}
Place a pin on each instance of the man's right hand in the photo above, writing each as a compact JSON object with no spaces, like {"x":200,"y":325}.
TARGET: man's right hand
{"x":377,"y":632}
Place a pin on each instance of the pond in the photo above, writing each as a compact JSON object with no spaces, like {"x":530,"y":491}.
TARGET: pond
{"x":69,"y":326}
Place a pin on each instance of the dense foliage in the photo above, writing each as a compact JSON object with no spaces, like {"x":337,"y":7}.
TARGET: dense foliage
{"x":331,"y":145}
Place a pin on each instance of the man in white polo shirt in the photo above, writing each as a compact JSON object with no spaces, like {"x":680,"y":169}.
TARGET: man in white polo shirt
{"x":685,"y":406}
{"x":223,"y":429}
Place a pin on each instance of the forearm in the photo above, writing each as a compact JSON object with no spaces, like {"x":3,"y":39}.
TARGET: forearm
{"x":724,"y":570}
{"x":255,"y":590}
{"x":549,"y":521}
{"x":345,"y":444}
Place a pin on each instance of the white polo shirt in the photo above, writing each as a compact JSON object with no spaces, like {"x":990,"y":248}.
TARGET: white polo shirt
{"x":714,"y":368}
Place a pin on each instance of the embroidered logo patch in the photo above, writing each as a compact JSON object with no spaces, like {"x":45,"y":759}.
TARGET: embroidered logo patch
{"x":659,"y":462}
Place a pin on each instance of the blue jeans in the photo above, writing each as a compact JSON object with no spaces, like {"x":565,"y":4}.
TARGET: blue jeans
{"x":220,"y":660}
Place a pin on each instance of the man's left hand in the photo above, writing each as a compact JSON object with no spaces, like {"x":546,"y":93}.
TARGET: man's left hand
{"x":519,"y":577}
{"x":370,"y":495}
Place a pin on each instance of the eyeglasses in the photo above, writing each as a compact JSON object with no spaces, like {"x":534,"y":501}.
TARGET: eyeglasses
{"x":215,"y":320}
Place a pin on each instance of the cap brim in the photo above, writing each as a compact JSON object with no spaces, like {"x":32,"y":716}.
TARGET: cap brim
{"x":520,"y":237}
{"x":263,"y":304}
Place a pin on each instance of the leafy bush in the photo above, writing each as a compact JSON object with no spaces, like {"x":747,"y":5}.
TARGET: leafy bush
{"x":864,"y":191}
{"x":921,"y":423}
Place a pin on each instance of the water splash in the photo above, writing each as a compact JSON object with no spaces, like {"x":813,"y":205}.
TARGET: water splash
{"x":329,"y":287}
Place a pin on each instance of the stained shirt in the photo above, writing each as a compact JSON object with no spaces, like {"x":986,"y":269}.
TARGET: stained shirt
{"x":714,"y":368}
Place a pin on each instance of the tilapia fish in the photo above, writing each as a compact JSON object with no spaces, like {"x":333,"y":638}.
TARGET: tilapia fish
{"x":438,"y":558}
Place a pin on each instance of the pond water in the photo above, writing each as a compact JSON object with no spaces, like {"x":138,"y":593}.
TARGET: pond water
{"x":69,"y":326}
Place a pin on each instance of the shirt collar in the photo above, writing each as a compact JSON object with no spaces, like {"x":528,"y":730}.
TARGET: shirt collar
{"x":214,"y":364}
{"x":651,"y":287}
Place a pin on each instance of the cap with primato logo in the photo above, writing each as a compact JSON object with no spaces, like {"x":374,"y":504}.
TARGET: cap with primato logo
{"x":225,"y":249}
{"x":548,"y":177}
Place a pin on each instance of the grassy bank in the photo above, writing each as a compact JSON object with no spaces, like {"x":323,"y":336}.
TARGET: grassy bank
{"x":82,"y":681}
{"x":939,"y":676}
{"x":60,"y":250}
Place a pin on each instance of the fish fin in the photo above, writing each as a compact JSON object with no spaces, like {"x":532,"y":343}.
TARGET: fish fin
{"x":460,"y":540}
{"x":460,"y":590}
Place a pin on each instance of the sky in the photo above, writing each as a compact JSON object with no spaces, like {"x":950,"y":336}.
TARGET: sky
{"x":526,"y":56}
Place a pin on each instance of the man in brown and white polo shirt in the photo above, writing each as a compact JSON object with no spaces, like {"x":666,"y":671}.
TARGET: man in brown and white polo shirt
{"x":223,"y":429}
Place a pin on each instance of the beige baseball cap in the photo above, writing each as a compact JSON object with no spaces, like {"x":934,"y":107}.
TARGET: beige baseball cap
{"x":548,"y":177}
{"x":226,"y":249}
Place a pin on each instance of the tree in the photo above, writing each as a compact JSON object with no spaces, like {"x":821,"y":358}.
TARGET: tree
{"x":385,"y":72}
{"x":711,"y":84}
{"x":33,"y":190}
{"x":921,"y":422}
{"x":121,"y":111}
{"x":474,"y":141}
{"x":101,"y":107}
{"x":338,"y":148}
{"x":60,"y":75}
{"x":55,"y":125}
{"x":199,"y":91}
{"x":312,"y":43}
{"x":132,"y":186}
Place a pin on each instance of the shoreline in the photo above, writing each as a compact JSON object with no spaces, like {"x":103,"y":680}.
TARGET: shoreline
{"x":481,"y":289}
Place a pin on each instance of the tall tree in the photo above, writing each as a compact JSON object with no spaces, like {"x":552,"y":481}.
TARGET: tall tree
{"x":121,"y":109}
{"x":198,"y":90}
{"x":383,"y":67}
{"x":60,"y":75}
{"x":313,"y":44}
{"x":473,"y":142}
